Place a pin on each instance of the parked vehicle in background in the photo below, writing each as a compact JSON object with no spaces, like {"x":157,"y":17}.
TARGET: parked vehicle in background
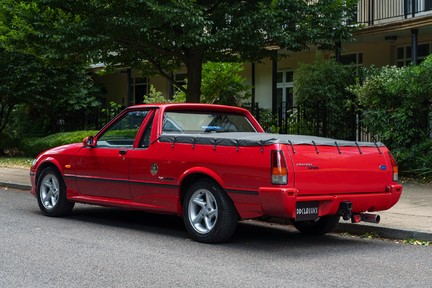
{"x":213,"y":165}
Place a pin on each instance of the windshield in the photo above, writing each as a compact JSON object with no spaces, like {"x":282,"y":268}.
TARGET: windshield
{"x":207,"y":122}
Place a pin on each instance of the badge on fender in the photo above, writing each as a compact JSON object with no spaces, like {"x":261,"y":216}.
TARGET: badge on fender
{"x":154,"y":169}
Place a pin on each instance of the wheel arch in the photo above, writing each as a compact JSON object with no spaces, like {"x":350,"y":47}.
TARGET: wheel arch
{"x":48,"y":163}
{"x":194,"y":175}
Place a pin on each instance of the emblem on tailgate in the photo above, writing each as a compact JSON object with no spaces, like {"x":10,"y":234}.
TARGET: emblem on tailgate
{"x":308,"y":166}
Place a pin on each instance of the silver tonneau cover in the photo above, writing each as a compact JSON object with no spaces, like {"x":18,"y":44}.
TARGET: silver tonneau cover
{"x":258,"y":139}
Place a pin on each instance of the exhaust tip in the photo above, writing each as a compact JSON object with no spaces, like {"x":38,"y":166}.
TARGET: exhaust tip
{"x":371,"y":218}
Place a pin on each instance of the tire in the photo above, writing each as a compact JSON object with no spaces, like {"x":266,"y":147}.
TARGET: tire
{"x":208,"y":213}
{"x":51,"y":194}
{"x":321,"y":226}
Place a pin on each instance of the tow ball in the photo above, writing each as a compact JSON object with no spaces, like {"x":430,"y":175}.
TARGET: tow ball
{"x":345,"y":208}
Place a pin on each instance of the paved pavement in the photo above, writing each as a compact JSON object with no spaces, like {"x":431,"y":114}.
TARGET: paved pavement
{"x":410,"y":218}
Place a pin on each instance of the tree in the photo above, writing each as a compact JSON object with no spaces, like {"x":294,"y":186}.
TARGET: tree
{"x":27,"y":80}
{"x":162,"y":35}
{"x":326,"y":104}
{"x":221,"y":84}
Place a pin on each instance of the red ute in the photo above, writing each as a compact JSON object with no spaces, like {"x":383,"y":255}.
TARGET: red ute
{"x":213,"y":165}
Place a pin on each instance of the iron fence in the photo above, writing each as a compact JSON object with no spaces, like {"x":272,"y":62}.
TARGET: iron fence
{"x":317,"y":121}
{"x":321,"y":121}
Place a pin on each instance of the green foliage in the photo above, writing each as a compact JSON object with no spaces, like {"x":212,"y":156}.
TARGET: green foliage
{"x":113,"y":110}
{"x":268,"y":120}
{"x":35,"y":95}
{"x":321,"y":93}
{"x":33,"y":146}
{"x":397,"y":104}
{"x":222,"y":84}
{"x":164,"y":35}
{"x":413,"y":241}
{"x":157,"y":97}
{"x":415,"y":160}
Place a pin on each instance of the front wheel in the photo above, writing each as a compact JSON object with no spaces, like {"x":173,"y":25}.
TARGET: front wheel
{"x":321,"y":226}
{"x":209,"y":214}
{"x":51,"y":194}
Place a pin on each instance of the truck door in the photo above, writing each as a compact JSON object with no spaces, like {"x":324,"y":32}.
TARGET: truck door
{"x":103,"y":170}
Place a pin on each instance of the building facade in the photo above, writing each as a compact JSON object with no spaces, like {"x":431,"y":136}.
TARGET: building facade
{"x":391,"y":32}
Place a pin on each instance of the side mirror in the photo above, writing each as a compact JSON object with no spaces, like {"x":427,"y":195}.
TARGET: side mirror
{"x":89,"y":141}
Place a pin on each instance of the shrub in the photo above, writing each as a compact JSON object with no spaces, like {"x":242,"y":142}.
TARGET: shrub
{"x":326,"y":104}
{"x":397,"y":108}
{"x":33,"y":146}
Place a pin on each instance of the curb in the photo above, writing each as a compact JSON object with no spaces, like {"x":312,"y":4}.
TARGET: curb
{"x":383,"y":232}
{"x":360,"y":229}
{"x":15,"y":186}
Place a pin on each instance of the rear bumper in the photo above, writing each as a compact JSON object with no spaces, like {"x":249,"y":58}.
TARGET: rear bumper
{"x":281,"y":202}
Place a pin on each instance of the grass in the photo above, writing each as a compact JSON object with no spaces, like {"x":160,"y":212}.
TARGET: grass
{"x":16,"y":162}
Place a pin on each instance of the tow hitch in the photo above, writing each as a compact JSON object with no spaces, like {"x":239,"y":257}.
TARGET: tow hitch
{"x":345,"y":210}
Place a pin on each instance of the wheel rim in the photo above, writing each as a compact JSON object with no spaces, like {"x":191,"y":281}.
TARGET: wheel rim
{"x":203,"y":211}
{"x":49,"y":191}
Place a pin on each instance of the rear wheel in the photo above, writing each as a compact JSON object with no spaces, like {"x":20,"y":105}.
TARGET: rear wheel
{"x":320,"y":226}
{"x":209,"y":214}
{"x":51,"y":194}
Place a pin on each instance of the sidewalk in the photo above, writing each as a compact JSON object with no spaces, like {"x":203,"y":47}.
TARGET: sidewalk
{"x":410,"y":218}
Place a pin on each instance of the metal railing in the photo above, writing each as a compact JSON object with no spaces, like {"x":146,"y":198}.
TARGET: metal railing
{"x":372,"y":12}
{"x":316,"y":121}
{"x":321,"y":121}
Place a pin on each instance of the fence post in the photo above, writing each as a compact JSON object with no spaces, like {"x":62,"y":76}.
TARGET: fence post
{"x":257,"y":112}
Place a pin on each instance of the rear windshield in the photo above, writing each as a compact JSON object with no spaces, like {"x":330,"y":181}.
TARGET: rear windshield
{"x":207,"y":122}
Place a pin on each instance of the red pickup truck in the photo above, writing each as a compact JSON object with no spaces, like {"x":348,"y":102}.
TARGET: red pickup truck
{"x":214,"y":165}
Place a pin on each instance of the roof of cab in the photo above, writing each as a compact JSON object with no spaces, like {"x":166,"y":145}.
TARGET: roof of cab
{"x":189,"y":106}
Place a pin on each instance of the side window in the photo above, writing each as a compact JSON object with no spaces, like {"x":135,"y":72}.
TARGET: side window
{"x":145,"y":139}
{"x":122,"y":133}
{"x":205,"y":122}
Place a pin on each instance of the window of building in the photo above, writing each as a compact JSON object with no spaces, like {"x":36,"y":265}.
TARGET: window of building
{"x":353,"y":59}
{"x":403,"y":54}
{"x":179,"y":78}
{"x":284,"y":90}
{"x":140,"y":87}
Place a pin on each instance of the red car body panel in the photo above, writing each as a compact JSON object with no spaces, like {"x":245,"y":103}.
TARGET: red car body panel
{"x":155,"y":178}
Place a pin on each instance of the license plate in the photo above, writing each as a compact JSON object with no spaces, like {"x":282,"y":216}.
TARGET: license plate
{"x":307,"y":210}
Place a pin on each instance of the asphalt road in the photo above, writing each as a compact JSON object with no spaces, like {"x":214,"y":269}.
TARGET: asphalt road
{"x":104,"y":247}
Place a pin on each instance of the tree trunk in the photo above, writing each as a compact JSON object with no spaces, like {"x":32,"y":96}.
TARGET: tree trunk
{"x":194,"y":75}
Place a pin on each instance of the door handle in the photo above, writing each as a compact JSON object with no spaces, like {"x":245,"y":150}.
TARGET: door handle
{"x":122,"y":152}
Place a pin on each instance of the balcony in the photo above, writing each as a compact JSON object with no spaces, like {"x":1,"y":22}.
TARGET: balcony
{"x":375,"y":12}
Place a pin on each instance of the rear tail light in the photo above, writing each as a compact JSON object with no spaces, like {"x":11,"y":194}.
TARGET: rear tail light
{"x":395,"y":169}
{"x":279,"y":171}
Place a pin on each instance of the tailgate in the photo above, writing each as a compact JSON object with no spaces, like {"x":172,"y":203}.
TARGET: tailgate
{"x":327,"y":170}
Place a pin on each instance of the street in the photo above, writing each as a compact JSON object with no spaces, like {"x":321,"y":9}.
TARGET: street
{"x":105,"y":247}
